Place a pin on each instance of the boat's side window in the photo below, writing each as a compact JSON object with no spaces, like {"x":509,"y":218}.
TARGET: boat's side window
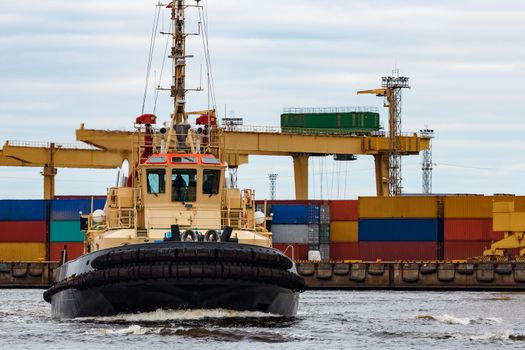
{"x":184,"y":185}
{"x":156,"y":180}
{"x":211,"y":178}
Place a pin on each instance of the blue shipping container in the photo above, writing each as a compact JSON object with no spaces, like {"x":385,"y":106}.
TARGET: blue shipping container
{"x":290,"y":214}
{"x":313,"y":214}
{"x":22,"y":210}
{"x":401,"y":230}
{"x":69,"y":209}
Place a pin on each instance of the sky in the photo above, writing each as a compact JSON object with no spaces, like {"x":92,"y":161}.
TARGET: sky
{"x":63,"y":63}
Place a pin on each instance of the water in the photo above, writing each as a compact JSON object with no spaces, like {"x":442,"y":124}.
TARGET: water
{"x":328,"y":319}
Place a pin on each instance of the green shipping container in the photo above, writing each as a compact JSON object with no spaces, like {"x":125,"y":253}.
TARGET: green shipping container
{"x":66,"y":231}
{"x":347,"y":121}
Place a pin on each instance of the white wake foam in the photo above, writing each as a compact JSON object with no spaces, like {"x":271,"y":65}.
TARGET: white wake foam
{"x":161,"y":315}
{"x":447,"y":319}
{"x":450,"y":319}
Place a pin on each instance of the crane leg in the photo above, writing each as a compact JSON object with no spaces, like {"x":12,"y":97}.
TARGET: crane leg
{"x":382,"y":179}
{"x":300,"y":168}
{"x":49,"y":173}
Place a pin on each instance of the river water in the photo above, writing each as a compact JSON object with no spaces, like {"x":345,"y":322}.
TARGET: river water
{"x":327,"y":319}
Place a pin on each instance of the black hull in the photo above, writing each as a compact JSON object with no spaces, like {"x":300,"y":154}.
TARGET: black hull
{"x":176,"y":282}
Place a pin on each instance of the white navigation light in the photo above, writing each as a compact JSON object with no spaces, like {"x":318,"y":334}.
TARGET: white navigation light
{"x":258,"y":216}
{"x":99,"y":216}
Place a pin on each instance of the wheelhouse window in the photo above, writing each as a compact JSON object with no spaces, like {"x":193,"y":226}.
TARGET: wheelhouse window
{"x":156,"y":180}
{"x":211,"y":180}
{"x":184,"y":185}
{"x":210,"y":160}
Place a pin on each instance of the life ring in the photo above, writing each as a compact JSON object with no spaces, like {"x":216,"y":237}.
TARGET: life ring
{"x":189,"y":236}
{"x":211,"y":236}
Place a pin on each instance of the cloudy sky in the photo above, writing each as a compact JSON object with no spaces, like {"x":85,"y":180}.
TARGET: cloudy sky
{"x":63,"y":63}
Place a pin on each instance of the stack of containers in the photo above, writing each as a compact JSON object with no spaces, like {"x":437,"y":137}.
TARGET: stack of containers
{"x":294,"y":225}
{"x":324,"y":231}
{"x":400,"y":228}
{"x":468,"y":224}
{"x":23,"y":230}
{"x":65,"y":230}
{"x":290,"y":232}
{"x":344,"y":216}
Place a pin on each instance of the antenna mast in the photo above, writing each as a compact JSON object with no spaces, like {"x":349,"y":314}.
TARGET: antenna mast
{"x":178,"y":56}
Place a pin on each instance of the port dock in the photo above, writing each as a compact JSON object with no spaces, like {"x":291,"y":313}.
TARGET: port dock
{"x":475,"y":276}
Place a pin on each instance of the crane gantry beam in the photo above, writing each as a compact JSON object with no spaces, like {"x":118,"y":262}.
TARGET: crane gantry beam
{"x":234,"y":147}
{"x":52,"y":156}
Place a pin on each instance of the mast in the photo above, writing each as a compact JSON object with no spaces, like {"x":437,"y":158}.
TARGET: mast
{"x":178,"y":56}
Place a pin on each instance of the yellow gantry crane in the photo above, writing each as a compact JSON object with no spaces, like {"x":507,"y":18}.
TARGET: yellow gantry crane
{"x":233,"y":146}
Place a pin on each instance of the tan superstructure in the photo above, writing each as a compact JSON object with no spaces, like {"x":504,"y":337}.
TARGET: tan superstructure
{"x":187,"y":190}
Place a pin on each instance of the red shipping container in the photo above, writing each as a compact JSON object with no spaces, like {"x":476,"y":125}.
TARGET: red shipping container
{"x":74,"y":250}
{"x":394,"y":251}
{"x":458,"y":250}
{"x":344,"y":251}
{"x":22,"y":231}
{"x":470,"y":230}
{"x":344,"y":210}
{"x":295,"y":252}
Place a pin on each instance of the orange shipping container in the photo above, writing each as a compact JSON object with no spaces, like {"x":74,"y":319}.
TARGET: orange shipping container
{"x":22,"y":251}
{"x":471,"y":207}
{"x":343,"y":231}
{"x":470,"y":230}
{"x":344,"y":251}
{"x":398,"y":207}
{"x":344,"y":210}
{"x":74,"y":250}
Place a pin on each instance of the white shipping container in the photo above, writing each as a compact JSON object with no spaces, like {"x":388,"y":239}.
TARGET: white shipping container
{"x":290,"y":234}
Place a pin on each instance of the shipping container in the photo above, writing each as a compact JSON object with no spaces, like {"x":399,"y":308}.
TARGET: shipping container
{"x":25,"y":251}
{"x":344,"y":210}
{"x":290,"y":234}
{"x":313,"y":234}
{"x":293,"y":251}
{"x":344,"y":231}
{"x":324,"y":233}
{"x":290,"y":214}
{"x":395,"y":251}
{"x":427,"y":230}
{"x":324,"y":249}
{"x":351,"y":121}
{"x":470,"y":230}
{"x":457,"y":250}
{"x":66,"y":231}
{"x":70,"y":209}
{"x":324,"y":214}
{"x":469,"y":207}
{"x":313,"y":214}
{"x":344,"y":251}
{"x":462,"y":207}
{"x":398,"y":207}
{"x":23,"y":231}
{"x":74,"y":250}
{"x":22,"y":210}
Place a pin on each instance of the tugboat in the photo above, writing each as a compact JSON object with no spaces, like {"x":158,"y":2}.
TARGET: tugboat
{"x":173,"y":235}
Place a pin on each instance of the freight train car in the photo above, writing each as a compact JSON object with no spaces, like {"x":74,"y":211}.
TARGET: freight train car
{"x":341,"y":120}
